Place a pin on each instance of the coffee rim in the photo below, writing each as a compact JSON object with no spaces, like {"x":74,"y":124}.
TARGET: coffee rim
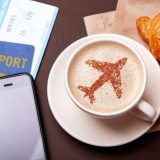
{"x":106,"y":114}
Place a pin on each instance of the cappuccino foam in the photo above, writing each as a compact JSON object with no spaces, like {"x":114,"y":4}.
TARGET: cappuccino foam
{"x":105,"y":97}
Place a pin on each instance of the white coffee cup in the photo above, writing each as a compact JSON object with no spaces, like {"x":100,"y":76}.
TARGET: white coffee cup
{"x":138,"y":107}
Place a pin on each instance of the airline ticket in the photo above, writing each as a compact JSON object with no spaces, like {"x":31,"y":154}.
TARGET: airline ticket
{"x":27,"y":22}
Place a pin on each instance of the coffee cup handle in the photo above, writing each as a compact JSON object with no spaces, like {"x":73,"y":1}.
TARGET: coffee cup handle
{"x":144,"y":111}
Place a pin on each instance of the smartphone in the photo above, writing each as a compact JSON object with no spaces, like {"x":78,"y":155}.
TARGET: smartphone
{"x":21,"y":135}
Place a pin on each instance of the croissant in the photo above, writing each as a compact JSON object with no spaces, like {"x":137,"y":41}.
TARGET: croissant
{"x":149,"y":29}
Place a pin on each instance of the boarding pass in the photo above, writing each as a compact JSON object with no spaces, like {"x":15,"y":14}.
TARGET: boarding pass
{"x":27,"y":22}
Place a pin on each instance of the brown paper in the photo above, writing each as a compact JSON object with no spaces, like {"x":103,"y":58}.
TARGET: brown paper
{"x":123,"y":21}
{"x":128,"y":11}
{"x":99,"y":23}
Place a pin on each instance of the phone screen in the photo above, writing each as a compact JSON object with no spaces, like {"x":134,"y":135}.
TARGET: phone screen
{"x":20,"y":133}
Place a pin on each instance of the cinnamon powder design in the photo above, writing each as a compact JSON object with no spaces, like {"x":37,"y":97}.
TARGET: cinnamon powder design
{"x":111,"y":72}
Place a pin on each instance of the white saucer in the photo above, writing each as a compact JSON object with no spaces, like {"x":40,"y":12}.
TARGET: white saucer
{"x":91,"y":130}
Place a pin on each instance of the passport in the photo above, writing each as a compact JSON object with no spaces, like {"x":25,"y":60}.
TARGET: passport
{"x":27,"y":22}
{"x":15,"y":58}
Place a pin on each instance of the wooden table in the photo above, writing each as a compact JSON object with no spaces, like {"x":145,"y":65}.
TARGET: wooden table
{"x":68,"y":28}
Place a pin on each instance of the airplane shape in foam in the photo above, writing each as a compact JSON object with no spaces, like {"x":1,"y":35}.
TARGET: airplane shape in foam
{"x":111,"y":72}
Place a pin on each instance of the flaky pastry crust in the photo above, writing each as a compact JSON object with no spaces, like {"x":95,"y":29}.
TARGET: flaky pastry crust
{"x":149,"y":29}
